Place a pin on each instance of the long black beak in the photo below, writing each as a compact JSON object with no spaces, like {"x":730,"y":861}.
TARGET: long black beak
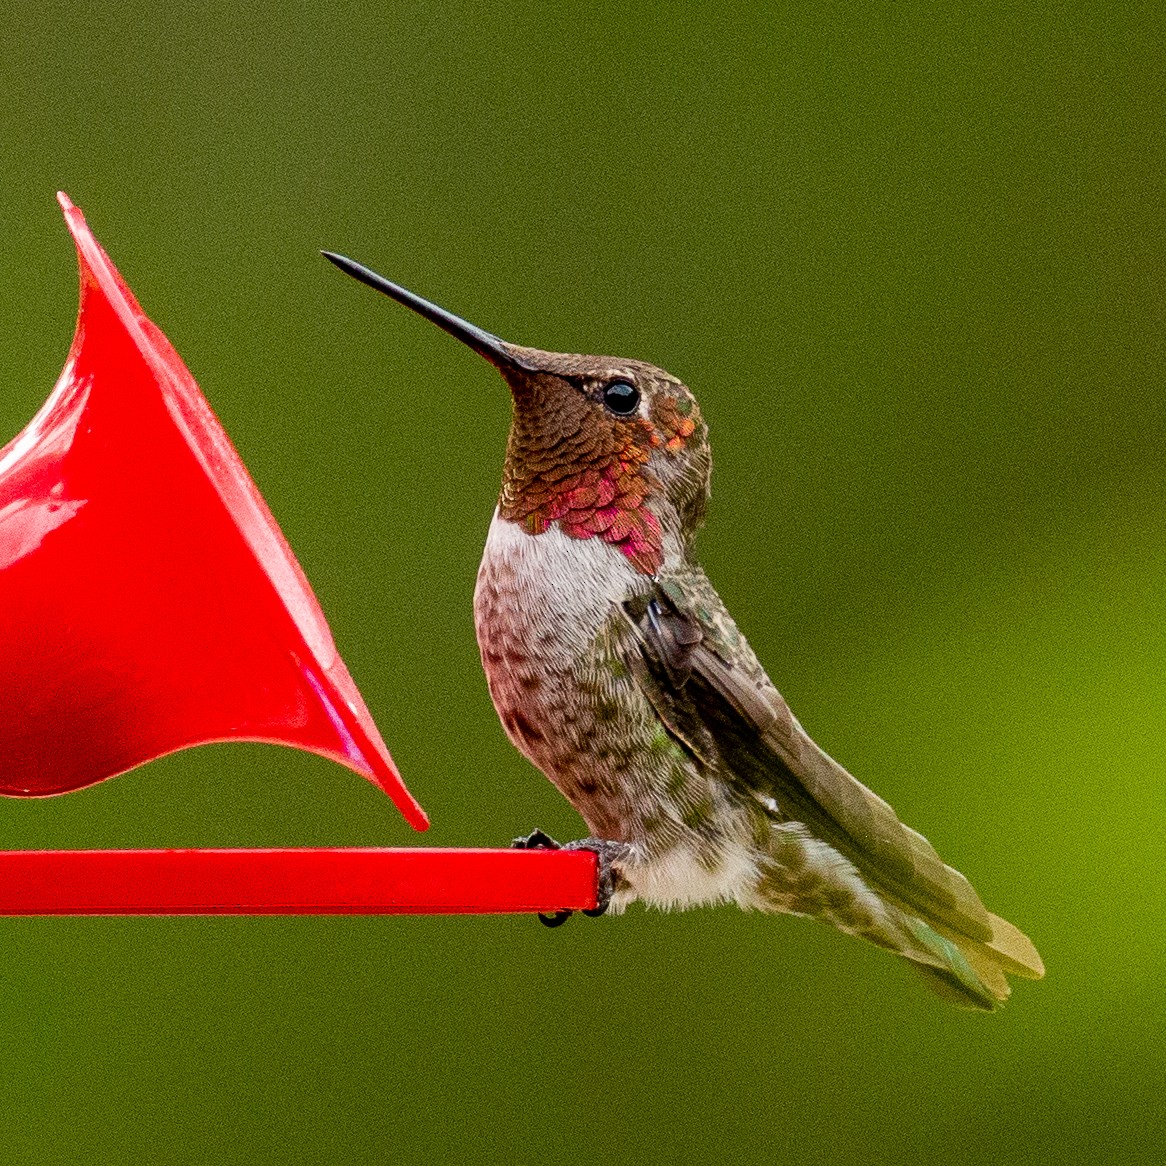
{"x":486,"y":344}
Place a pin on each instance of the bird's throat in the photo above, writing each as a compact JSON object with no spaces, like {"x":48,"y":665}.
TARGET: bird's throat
{"x":569,"y":464}
{"x":606,"y":497}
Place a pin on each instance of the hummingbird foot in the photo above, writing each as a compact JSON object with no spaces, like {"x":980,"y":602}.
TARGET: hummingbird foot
{"x":605,"y":852}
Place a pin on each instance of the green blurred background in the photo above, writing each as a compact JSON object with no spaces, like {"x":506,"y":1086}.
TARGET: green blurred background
{"x":912,"y":266}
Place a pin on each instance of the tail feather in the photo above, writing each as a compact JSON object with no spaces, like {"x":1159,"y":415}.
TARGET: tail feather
{"x":954,"y":989}
{"x":1014,"y":951}
{"x":966,"y":971}
{"x":960,"y":975}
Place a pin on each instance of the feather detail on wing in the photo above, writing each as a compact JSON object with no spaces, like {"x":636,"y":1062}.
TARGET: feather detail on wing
{"x":713,"y":696}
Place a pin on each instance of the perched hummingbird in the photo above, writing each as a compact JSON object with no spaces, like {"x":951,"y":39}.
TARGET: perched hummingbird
{"x":618,"y":672}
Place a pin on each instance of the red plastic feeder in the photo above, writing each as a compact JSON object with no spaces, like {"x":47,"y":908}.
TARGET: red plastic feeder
{"x":149,"y":602}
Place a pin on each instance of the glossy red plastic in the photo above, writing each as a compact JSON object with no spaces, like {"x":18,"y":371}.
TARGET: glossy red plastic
{"x":293,"y":882}
{"x":148,"y":599}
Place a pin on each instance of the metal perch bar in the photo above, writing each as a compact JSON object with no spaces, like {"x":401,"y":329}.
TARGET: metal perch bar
{"x":305,"y":881}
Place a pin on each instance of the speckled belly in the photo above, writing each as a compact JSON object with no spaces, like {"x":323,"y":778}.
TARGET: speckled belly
{"x":548,"y":624}
{"x":540,"y":631}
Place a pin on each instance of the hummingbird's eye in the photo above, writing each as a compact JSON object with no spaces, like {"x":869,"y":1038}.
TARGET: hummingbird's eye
{"x":621,"y":398}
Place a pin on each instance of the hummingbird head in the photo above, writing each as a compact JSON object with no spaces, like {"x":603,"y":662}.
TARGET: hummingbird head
{"x":602,"y":446}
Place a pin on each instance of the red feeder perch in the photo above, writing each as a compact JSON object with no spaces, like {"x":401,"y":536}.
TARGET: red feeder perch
{"x":149,"y":602}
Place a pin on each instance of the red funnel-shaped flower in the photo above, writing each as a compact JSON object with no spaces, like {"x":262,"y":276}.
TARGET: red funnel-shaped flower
{"x":148,"y":600}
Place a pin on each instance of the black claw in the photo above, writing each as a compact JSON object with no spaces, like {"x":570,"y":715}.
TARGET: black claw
{"x":554,"y":918}
{"x":536,"y":840}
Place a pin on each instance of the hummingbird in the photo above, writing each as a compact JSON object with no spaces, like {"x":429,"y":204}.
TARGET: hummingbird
{"x":616,"y":669}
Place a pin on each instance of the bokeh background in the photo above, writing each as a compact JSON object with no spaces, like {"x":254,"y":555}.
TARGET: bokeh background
{"x":911,"y":263}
